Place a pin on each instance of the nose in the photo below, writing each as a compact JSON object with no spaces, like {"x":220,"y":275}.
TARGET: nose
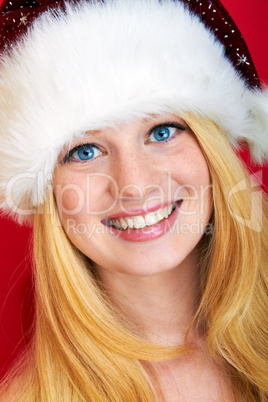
{"x":136,"y":176}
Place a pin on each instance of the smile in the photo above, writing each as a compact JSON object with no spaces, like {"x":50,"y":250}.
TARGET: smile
{"x":142,"y":221}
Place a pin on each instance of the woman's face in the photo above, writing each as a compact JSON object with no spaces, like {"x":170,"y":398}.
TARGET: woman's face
{"x":135,"y":199}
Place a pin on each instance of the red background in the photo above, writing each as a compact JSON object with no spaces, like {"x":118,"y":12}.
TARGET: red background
{"x":16,"y":296}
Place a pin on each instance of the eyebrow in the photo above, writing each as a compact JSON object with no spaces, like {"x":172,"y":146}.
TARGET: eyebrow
{"x":67,"y":147}
{"x":92,"y":132}
{"x":145,"y":120}
{"x":151,"y":117}
{"x":148,"y":119}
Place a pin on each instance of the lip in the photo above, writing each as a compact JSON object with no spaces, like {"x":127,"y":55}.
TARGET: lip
{"x":141,"y":211}
{"x":149,"y":232}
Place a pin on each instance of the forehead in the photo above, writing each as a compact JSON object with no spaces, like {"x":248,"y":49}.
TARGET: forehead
{"x":134,"y":125}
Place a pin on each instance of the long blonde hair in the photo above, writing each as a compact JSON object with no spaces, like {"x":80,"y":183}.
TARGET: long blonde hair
{"x":83,"y":351}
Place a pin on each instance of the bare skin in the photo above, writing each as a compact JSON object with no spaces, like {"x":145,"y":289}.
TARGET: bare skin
{"x":155,"y":283}
{"x":162,"y":308}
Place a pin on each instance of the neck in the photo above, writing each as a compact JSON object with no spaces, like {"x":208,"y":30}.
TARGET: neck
{"x":162,"y":305}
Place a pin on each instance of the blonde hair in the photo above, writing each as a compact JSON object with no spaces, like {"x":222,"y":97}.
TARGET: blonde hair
{"x":83,"y":351}
{"x":234,"y":298}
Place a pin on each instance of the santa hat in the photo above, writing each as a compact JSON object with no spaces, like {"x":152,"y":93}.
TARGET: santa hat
{"x":71,"y":67}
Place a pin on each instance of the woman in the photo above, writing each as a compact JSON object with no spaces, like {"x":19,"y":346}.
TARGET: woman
{"x":118,"y":127}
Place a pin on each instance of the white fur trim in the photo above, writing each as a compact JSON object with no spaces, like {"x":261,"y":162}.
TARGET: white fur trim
{"x":99,"y":65}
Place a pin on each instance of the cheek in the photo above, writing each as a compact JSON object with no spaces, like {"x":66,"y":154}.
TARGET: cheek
{"x":81,"y":196}
{"x":192,"y":182}
{"x":192,"y":172}
{"x":69,"y":200}
{"x":69,"y":193}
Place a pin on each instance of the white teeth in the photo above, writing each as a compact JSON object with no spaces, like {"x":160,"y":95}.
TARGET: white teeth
{"x":123,"y":223}
{"x":130,"y":223}
{"x":139,"y":222}
{"x":118,"y":225}
{"x":151,"y":219}
{"x":160,"y":214}
{"x":166,"y":212}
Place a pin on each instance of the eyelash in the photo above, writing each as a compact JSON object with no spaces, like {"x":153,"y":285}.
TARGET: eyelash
{"x":178,"y":126}
{"x":67,"y":157}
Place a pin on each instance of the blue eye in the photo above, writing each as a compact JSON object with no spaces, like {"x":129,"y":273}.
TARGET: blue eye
{"x":164,"y":132}
{"x":83,"y":153}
